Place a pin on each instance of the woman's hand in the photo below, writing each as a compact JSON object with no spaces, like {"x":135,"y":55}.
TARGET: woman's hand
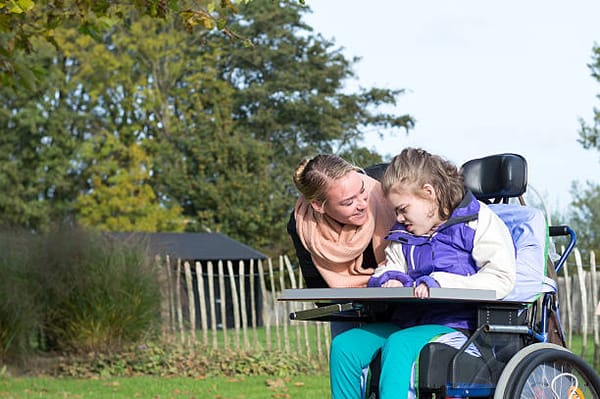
{"x":422,"y":291}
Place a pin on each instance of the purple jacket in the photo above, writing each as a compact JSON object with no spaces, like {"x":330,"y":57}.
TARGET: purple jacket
{"x":449,"y":249}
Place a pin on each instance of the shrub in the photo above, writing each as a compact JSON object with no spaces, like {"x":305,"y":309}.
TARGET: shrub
{"x":168,"y":360}
{"x":19,"y":314}
{"x":73,"y":290}
{"x":100,"y":294}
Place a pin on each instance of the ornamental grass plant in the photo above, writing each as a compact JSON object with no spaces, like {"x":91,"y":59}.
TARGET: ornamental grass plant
{"x":72,"y":290}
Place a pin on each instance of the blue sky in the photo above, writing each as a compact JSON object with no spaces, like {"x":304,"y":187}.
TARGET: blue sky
{"x":481,"y":78}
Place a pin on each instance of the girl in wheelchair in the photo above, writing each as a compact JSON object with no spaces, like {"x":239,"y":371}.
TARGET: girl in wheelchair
{"x":443,"y":237}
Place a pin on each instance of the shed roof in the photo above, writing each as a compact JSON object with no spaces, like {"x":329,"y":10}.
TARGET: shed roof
{"x":194,"y":246}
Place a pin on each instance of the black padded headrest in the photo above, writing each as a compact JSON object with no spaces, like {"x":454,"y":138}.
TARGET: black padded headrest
{"x":376,"y":171}
{"x":496,"y":176}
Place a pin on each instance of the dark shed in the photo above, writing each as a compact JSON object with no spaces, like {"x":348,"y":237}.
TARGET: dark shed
{"x":194,"y":246}
{"x":204,"y":248}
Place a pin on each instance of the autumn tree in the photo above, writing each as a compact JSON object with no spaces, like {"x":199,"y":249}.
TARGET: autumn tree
{"x":215,"y":129}
{"x":119,"y":196}
{"x":24,"y":24}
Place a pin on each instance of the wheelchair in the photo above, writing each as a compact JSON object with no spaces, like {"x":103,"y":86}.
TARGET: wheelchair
{"x":518,"y":348}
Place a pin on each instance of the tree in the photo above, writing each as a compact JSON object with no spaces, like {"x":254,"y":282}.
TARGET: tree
{"x":586,"y":203}
{"x":24,"y":22}
{"x":585,"y":215}
{"x":289,"y":93}
{"x":39,"y":136}
{"x":589,"y":133}
{"x":215,"y":130}
{"x":120,"y":197}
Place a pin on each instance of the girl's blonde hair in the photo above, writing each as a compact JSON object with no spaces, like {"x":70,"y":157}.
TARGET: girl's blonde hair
{"x":314,"y":175}
{"x":415,"y":167}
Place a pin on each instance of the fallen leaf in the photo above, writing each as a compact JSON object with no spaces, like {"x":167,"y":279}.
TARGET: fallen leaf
{"x":278,"y":383}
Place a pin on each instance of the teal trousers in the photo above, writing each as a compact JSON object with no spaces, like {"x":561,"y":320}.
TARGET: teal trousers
{"x":353,"y":350}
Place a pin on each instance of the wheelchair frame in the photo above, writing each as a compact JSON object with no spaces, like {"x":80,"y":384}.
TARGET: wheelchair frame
{"x":533,"y":366}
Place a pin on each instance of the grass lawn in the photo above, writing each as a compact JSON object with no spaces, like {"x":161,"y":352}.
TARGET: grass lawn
{"x":297,"y":387}
{"x":254,"y":387}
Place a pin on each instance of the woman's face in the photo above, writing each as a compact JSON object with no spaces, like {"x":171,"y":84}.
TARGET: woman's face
{"x":347,"y":200}
{"x":419,"y":213}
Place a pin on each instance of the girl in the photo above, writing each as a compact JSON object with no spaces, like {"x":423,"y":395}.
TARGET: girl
{"x":443,"y":237}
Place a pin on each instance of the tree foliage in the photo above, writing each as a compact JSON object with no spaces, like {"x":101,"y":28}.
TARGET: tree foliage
{"x":150,"y":127}
{"x":585,"y":215}
{"x":120,"y":197}
{"x":586,"y":203}
{"x":25,"y":22}
{"x":589,"y":132}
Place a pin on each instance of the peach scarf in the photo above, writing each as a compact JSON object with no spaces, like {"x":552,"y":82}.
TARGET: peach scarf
{"x":337,"y":250}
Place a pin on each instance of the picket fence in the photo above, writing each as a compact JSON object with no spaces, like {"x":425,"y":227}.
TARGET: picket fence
{"x":202,"y":299}
{"x":222,"y":305}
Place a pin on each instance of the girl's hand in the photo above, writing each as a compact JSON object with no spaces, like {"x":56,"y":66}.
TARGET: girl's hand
{"x":422,"y":291}
{"x":392,"y":283}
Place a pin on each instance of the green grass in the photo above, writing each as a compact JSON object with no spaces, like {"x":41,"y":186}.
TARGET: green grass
{"x":258,"y":339}
{"x":576,"y":345}
{"x":250,"y":387}
{"x":298,"y":387}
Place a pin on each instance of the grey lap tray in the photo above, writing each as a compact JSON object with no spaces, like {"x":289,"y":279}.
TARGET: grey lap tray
{"x":357,"y":303}
{"x":375,"y":294}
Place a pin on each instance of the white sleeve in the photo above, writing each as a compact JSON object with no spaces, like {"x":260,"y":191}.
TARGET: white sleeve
{"x":394,"y":260}
{"x":494,"y":254}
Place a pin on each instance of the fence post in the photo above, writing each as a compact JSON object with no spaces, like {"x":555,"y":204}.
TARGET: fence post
{"x":319,"y":344}
{"x":584,"y":302}
{"x":286,"y":338}
{"x":172,"y":305}
{"x":594,"y":302}
{"x":191,"y":305}
{"x":165,"y":305}
{"x":243,"y":310}
{"x":223,"y":303}
{"x":292,"y":275}
{"x":274,"y":301}
{"x":266,"y":318}
{"x":202,"y":300}
{"x":304,"y":306}
{"x":178,"y":301}
{"x":567,"y":297}
{"x":235,"y":303}
{"x":253,"y":304}
{"x":212,"y":302}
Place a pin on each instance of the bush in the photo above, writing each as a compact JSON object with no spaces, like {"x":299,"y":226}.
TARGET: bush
{"x":75,"y":291}
{"x":170,"y":360}
{"x":19,"y":314}
{"x":101,"y":293}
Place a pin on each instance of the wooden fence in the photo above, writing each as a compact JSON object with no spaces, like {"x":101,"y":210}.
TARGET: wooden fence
{"x":223,"y":305}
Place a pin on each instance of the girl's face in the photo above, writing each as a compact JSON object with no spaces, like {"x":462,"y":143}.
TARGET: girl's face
{"x":347,"y":200}
{"x":416,"y":209}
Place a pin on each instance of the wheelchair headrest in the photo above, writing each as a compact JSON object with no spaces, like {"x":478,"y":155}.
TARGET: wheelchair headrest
{"x":376,"y":171}
{"x":499,"y":176}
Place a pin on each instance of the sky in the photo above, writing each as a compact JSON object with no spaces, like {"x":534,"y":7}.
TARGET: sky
{"x":481,"y":78}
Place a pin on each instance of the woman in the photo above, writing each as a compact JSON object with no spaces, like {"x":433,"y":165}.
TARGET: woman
{"x":339,"y":222}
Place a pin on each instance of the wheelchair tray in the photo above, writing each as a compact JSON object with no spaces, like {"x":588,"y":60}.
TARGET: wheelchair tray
{"x":346,"y":304}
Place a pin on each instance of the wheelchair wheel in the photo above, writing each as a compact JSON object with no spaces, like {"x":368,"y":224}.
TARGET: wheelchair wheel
{"x":547,"y":371}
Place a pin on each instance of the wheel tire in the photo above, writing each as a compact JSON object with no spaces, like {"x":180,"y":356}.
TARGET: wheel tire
{"x":548,"y":371}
